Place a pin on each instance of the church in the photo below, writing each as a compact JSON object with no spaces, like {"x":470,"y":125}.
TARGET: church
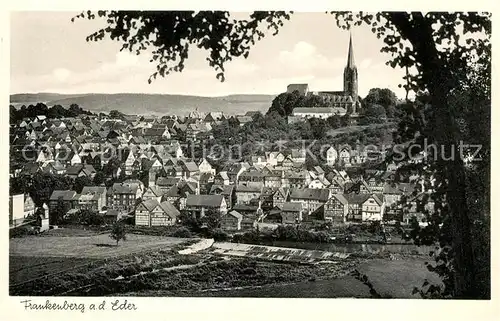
{"x":338,"y":102}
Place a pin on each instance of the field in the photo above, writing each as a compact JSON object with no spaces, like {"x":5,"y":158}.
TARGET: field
{"x":390,"y":278}
{"x":94,"y":246}
{"x":36,"y":260}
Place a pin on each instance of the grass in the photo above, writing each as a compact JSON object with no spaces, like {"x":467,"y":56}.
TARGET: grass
{"x":93,"y":246}
{"x":355,"y":128}
{"x":394,"y":279}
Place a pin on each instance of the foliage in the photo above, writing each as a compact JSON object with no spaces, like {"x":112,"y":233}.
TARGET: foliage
{"x":57,"y":111}
{"x":284,"y":103}
{"x":373,"y":114}
{"x":118,"y":232}
{"x":85,"y":217}
{"x":219,"y":235}
{"x":383,"y":97}
{"x":182,"y":232}
{"x":40,"y":185}
{"x":81,"y":182}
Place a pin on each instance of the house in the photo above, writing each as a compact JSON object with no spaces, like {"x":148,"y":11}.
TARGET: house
{"x":228,"y":191}
{"x":242,"y":120}
{"x":310,"y":198}
{"x":129,"y":163}
{"x":291,"y":213}
{"x":200,"y":204}
{"x":92,"y":198}
{"x":221,"y":178}
{"x":244,"y":194}
{"x":280,"y":197}
{"x":205,"y":167}
{"x":372,"y":208}
{"x":298,"y":156}
{"x":16,"y":209}
{"x":252,"y":178}
{"x":189,"y":168}
{"x":153,"y":213}
{"x":153,"y":192}
{"x":336,"y":209}
{"x":29,"y":206}
{"x":166,"y":183}
{"x":80,"y":170}
{"x":355,"y":206}
{"x":123,"y":197}
{"x":296,"y":179}
{"x":394,"y":191}
{"x":61,"y":201}
{"x":275,"y":158}
{"x":331,"y":156}
{"x":75,"y":159}
{"x":231,"y":221}
{"x":345,"y":156}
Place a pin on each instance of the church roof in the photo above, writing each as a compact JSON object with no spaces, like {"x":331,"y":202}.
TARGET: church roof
{"x":350,"y":55}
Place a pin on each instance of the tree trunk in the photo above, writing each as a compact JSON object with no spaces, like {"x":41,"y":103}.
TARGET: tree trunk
{"x":439,"y":83}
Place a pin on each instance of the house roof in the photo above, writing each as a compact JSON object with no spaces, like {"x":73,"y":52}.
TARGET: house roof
{"x":320,"y":194}
{"x":122,"y":188}
{"x":167,"y":181}
{"x":247,"y":189}
{"x":340,"y":198}
{"x":224,"y":189}
{"x":204,"y":200}
{"x":354,"y":198}
{"x":150,"y":204}
{"x":170,"y":209}
{"x":66,"y":195}
{"x":236,"y":214}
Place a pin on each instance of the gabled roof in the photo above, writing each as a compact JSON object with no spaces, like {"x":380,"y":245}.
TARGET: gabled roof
{"x":150,"y":204}
{"x":212,"y":201}
{"x":340,"y":198}
{"x":320,"y":194}
{"x":354,"y":198}
{"x":170,"y":209}
{"x":236,"y":214}
{"x":66,"y":195}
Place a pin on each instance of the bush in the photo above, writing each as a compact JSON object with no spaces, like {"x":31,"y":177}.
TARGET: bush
{"x":219,"y":235}
{"x":183,"y":232}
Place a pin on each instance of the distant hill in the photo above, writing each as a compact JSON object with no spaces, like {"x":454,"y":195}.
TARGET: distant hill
{"x":155,"y":104}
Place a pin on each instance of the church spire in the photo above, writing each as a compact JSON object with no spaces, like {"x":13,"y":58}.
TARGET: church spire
{"x":350,"y":54}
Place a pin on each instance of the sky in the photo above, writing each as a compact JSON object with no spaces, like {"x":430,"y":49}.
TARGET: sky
{"x":49,"y":53}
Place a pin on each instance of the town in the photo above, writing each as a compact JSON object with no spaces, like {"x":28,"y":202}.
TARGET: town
{"x":148,"y":170}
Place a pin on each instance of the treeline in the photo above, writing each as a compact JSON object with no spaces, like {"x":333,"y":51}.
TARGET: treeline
{"x":56,"y":111}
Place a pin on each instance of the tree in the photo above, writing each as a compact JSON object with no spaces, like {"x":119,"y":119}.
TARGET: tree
{"x":81,"y":182}
{"x":115,"y":114}
{"x":373,"y":114}
{"x":99,"y":178}
{"x":118,"y":232}
{"x":442,"y":54}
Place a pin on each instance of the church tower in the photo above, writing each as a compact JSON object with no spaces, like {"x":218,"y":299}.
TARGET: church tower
{"x":351,"y":74}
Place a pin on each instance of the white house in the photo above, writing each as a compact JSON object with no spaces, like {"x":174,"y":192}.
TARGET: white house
{"x":205,"y":167}
{"x":331,"y":156}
